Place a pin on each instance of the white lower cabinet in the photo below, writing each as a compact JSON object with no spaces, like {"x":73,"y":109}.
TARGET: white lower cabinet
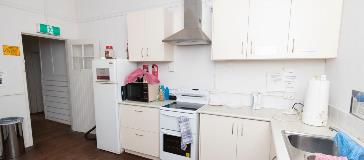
{"x":140,"y":129}
{"x":233,"y":138}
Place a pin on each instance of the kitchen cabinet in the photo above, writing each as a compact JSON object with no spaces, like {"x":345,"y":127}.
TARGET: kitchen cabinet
{"x":315,"y":28}
{"x":230,"y":29}
{"x":146,"y":30}
{"x":140,"y":129}
{"x":233,"y":138}
{"x":268,"y":29}
{"x":275,"y":29}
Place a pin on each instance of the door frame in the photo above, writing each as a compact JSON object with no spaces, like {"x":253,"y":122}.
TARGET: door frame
{"x":24,"y":73}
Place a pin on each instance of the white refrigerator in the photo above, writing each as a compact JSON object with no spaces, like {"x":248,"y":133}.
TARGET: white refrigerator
{"x":108,"y":77}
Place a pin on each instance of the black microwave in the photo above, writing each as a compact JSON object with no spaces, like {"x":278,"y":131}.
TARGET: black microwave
{"x":142,"y":92}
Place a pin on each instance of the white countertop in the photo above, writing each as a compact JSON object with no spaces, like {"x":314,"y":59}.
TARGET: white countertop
{"x":154,"y":104}
{"x":279,"y":122}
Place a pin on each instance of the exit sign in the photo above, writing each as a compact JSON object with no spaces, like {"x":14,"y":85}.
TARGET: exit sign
{"x":48,"y":29}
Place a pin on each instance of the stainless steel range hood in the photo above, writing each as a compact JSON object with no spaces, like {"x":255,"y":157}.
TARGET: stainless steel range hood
{"x":192,"y":33}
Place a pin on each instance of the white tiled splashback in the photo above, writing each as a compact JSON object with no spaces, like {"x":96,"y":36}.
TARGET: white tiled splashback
{"x":347,"y":122}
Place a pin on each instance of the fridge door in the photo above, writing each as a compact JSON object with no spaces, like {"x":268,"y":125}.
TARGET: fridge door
{"x":107,"y":118}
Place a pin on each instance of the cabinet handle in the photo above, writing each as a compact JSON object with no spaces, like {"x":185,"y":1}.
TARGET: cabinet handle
{"x":242,"y":47}
{"x":232,"y":128}
{"x":138,"y":111}
{"x":293,"y":44}
{"x":242,"y":130}
{"x":251,"y":47}
{"x":147,"y":52}
{"x":139,"y":135}
{"x":141,"y":52}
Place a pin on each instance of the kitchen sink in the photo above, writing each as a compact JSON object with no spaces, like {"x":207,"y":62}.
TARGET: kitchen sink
{"x":302,"y":146}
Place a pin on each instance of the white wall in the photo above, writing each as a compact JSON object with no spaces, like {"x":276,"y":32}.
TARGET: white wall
{"x":347,"y":71}
{"x":192,"y":67}
{"x":22,"y":16}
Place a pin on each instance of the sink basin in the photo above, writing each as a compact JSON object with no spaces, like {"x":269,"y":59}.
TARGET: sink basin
{"x":313,"y":144}
{"x":300,"y":146}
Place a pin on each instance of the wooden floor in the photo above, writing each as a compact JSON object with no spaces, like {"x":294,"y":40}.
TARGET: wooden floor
{"x":55,"y":141}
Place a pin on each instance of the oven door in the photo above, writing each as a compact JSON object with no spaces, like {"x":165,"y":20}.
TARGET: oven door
{"x":170,"y":146}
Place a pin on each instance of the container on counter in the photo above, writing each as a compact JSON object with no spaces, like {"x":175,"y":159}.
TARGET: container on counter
{"x":109,"y":52}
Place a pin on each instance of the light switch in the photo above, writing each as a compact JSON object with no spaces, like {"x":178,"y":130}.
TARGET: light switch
{"x":171,"y":67}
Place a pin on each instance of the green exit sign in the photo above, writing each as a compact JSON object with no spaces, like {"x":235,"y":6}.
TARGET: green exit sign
{"x":48,"y":29}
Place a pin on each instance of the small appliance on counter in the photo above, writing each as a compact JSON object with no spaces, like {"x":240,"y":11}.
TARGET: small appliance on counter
{"x":315,"y":110}
{"x":187,"y":104}
{"x":142,"y":92}
{"x":108,"y":77}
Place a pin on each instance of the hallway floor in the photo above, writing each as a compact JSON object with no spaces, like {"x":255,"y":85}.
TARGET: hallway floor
{"x":55,"y":141}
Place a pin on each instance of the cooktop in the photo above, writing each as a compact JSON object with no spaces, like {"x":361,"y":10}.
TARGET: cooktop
{"x":184,"y":106}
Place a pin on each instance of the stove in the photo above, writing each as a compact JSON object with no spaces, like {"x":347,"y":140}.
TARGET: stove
{"x":183,"y":106}
{"x":188,"y":102}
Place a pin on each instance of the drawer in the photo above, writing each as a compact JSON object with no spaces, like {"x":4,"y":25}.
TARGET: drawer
{"x":141,"y":118}
{"x":140,"y":141}
{"x":169,"y":121}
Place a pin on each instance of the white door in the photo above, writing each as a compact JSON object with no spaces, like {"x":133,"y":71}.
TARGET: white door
{"x":80,"y":56}
{"x":268,"y":29}
{"x":218,"y":136}
{"x":253,"y":140}
{"x":136,"y":35}
{"x":230,"y":27}
{"x":315,"y":28}
{"x":55,"y":80}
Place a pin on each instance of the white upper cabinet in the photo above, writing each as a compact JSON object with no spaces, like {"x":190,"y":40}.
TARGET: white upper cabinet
{"x":268,"y":28}
{"x":275,"y":29}
{"x":230,"y":28}
{"x":146,"y":30}
{"x":315,"y":28}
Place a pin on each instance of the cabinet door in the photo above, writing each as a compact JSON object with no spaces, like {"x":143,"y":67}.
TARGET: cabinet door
{"x":154,"y":29}
{"x":218,"y":137}
{"x":315,"y":28}
{"x":253,"y":140}
{"x":268,"y":29}
{"x":230,"y":27}
{"x":136,"y":35}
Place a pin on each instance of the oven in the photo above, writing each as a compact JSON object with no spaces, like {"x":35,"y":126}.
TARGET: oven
{"x":170,"y":136}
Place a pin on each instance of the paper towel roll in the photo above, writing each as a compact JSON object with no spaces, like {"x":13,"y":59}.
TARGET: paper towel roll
{"x":315,"y":111}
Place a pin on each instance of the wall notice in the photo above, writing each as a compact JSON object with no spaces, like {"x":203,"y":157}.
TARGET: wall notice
{"x":11,"y":50}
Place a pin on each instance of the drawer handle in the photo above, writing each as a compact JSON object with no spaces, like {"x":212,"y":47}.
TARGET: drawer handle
{"x":138,"y":111}
{"x":139,"y":135}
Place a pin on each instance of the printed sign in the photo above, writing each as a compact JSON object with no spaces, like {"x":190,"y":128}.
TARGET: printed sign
{"x":48,"y":29}
{"x":11,"y":50}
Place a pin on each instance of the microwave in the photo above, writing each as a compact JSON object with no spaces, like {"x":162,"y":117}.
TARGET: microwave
{"x":142,"y":92}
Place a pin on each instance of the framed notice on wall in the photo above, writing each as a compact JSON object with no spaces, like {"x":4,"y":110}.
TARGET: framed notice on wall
{"x":357,"y":104}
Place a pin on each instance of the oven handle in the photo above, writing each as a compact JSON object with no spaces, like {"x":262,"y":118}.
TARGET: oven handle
{"x":176,"y":115}
{"x":172,"y":133}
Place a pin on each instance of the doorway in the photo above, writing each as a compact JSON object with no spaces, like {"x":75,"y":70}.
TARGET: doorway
{"x":47,"y":78}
